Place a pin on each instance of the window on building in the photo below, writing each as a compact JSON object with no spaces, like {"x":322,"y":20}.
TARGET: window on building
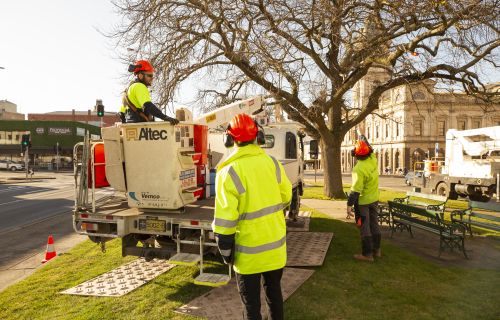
{"x":462,"y":125}
{"x":417,"y":127}
{"x":476,"y":123}
{"x":397,"y":129}
{"x":368,"y":132}
{"x":387,"y":128}
{"x":418,"y":95}
{"x":376,"y":131}
{"x":441,"y":128}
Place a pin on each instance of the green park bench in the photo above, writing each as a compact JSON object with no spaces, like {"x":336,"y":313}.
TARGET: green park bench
{"x":479,"y":214}
{"x":415,"y":199}
{"x":405,"y":217}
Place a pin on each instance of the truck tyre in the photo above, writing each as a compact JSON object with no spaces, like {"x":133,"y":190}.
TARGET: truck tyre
{"x":442,"y":189}
{"x":13,"y":168}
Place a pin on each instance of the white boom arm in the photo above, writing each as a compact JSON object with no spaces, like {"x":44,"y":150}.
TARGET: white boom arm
{"x":475,"y":142}
{"x":224,"y":114}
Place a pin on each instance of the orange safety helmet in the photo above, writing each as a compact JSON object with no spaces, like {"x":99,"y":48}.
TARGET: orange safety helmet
{"x":361,"y":148}
{"x":141,"y":65}
{"x":242,"y":128}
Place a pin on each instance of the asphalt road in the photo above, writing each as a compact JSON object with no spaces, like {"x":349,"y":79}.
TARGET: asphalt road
{"x":26,"y":203}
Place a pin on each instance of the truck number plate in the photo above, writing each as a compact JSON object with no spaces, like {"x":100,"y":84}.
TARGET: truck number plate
{"x":152,"y":225}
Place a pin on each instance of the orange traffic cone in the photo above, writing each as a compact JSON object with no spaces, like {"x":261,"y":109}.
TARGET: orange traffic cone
{"x":50,"y":252}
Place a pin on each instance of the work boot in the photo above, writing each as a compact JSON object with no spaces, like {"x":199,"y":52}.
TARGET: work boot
{"x":377,"y":253}
{"x":367,"y":250}
{"x":361,"y":257}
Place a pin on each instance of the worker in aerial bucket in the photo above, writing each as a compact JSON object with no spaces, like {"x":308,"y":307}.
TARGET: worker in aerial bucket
{"x":136,"y":100}
{"x":249,"y":224}
{"x":364,"y":198}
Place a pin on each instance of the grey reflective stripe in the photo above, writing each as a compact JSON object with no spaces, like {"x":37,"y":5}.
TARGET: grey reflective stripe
{"x":278,"y":171}
{"x":225,"y":223}
{"x":261,"y":212}
{"x":262,"y":248}
{"x":236,"y":180}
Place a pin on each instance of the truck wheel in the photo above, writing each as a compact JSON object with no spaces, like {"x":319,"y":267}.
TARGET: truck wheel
{"x":443,"y":190}
{"x":13,"y":168}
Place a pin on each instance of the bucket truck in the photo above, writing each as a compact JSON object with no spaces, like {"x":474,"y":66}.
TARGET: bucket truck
{"x":163,"y":176}
{"x":471,"y":167}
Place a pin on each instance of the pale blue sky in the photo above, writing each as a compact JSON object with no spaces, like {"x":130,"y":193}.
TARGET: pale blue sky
{"x":54,"y":58}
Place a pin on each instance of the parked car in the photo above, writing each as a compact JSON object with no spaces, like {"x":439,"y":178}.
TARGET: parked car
{"x":410,"y":175}
{"x":11,"y":165}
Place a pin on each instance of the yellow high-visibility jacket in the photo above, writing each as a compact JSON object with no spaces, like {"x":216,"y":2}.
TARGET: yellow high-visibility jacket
{"x":252,"y":191}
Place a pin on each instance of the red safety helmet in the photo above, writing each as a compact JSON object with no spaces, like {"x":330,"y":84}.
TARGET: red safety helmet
{"x":143,"y":65}
{"x":242,"y":128}
{"x":361,"y":148}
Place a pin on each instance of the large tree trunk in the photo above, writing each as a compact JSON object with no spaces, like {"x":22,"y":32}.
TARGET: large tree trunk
{"x":332,"y":166}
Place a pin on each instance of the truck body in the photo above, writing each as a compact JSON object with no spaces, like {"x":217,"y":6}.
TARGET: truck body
{"x":162,"y":177}
{"x":471,"y":167}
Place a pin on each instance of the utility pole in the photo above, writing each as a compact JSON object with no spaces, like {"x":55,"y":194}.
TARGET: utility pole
{"x":57,"y":156}
{"x":26,"y":161}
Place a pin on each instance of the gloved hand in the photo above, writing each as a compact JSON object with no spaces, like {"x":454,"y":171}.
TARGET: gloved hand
{"x":225,"y":243}
{"x":227,"y":255}
{"x":350,"y":214}
{"x":172,"y":121}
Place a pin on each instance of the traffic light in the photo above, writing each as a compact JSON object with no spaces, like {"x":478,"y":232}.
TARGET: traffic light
{"x":100,"y":108}
{"x":25,"y":142}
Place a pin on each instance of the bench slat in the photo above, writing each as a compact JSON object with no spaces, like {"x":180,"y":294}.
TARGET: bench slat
{"x":427,"y":196}
{"x":490,"y":206}
{"x":484,"y":216}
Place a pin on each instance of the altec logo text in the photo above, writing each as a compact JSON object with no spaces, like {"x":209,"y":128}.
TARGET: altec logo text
{"x":146,"y":134}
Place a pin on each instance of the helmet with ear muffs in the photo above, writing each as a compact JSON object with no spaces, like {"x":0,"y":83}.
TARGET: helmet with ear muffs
{"x":242,"y":128}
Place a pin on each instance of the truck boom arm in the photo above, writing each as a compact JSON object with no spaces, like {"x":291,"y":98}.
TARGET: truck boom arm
{"x":223,"y":115}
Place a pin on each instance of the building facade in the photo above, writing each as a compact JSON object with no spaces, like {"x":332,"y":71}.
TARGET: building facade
{"x":45,"y":136}
{"x":412,"y":121}
{"x":8,"y":111}
{"x":87,"y":117}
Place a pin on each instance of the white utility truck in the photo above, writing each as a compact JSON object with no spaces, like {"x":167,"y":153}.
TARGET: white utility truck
{"x":471,"y":167}
{"x":152,"y":183}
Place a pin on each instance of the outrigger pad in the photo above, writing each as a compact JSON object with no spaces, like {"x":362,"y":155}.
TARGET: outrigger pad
{"x":223,"y":303}
{"x":123,"y":279}
{"x":302,"y":223}
{"x":307,"y":249}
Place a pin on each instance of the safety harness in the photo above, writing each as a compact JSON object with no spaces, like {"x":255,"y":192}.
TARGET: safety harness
{"x":126,"y":101}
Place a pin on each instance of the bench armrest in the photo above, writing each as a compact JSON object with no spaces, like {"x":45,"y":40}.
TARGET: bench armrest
{"x":456,"y":213}
{"x":455,"y":227}
{"x":401,"y":200}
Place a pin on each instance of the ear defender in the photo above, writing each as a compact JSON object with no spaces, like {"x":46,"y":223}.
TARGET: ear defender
{"x":261,"y":137}
{"x":228,"y":139}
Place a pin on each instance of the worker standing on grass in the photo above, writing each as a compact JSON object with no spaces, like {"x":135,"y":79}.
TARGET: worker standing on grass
{"x":249,"y":224}
{"x":137,"y":105}
{"x":364,"y":197}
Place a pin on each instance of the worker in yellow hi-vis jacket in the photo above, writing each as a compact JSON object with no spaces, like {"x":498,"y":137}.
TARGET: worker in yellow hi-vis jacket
{"x":249,"y":224}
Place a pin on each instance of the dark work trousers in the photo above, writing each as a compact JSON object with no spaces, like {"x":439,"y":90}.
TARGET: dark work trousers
{"x":249,"y":288}
{"x":370,"y":230}
{"x":369,"y":219}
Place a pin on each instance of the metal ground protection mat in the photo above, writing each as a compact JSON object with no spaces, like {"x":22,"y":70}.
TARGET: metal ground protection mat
{"x":302,"y":223}
{"x":122,"y":280}
{"x":223,"y":303}
{"x":307,"y":249}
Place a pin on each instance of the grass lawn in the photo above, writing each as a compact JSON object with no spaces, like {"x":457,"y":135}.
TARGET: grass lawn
{"x":399,"y":286}
{"x":316,"y":192}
